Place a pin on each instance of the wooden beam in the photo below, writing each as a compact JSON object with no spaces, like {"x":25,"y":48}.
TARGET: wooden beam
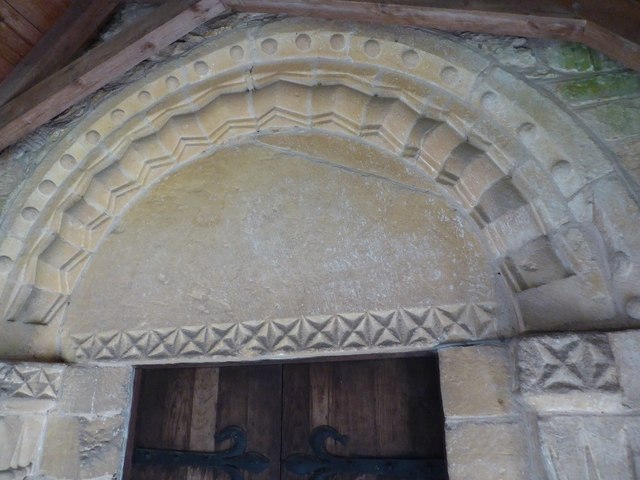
{"x":611,"y":26}
{"x":106,"y":62}
{"x":17,"y":34}
{"x":42,"y":14}
{"x":19,"y":24}
{"x":80,"y":23}
{"x":482,"y":16}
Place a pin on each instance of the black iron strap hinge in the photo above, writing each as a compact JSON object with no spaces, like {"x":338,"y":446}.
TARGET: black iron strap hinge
{"x":233,"y":460}
{"x":323,"y":465}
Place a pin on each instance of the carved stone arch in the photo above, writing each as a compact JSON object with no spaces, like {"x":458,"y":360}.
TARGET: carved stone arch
{"x":494,"y":146}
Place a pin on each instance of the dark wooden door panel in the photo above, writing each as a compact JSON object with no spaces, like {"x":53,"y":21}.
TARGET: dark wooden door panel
{"x":204,"y":419}
{"x":387,"y":408}
{"x":164,"y":418}
{"x":251,"y":396}
{"x":183,"y":408}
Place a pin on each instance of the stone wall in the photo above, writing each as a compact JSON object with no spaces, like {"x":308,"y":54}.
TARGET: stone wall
{"x":562,"y":406}
{"x":604,"y":98}
{"x":598,"y":91}
{"x":559,"y":406}
{"x":63,"y":422}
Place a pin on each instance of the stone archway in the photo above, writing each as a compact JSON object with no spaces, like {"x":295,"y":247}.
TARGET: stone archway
{"x":492,"y":145}
{"x":440,"y":199}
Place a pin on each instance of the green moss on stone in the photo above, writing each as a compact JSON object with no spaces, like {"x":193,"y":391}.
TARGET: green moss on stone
{"x":571,"y":56}
{"x":600,"y":87}
{"x":576,"y":57}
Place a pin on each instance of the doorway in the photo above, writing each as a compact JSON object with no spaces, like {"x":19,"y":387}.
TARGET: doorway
{"x":319,"y":420}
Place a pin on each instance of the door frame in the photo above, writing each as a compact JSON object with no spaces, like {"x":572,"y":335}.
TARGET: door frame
{"x":322,"y":358}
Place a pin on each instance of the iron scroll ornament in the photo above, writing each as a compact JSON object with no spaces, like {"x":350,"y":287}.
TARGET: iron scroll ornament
{"x":324,"y":465}
{"x":233,"y":461}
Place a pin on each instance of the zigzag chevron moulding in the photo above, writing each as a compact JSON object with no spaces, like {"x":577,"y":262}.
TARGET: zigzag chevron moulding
{"x":403,"y":327}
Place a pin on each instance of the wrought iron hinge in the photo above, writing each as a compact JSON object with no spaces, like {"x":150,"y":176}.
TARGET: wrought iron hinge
{"x":234,"y":460}
{"x":323,"y":465}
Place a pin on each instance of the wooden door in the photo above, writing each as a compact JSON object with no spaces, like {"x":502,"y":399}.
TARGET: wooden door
{"x":183,"y":408}
{"x":387,"y":408}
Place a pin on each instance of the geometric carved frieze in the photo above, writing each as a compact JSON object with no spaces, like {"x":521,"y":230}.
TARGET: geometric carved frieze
{"x":30,"y":380}
{"x":403,"y":327}
{"x":567,"y":363}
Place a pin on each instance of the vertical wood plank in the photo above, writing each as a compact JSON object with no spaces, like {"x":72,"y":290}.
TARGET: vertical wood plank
{"x":352,"y":407}
{"x":296,"y":418}
{"x":42,"y":14}
{"x":5,"y":67}
{"x":151,"y":407}
{"x":251,"y":397}
{"x":18,"y":24}
{"x":164,"y":417}
{"x":320,"y":378}
{"x":14,"y":51}
{"x":176,"y":426}
{"x":387,"y":408}
{"x":426,"y":407}
{"x":205,"y":399}
{"x":204,"y":418}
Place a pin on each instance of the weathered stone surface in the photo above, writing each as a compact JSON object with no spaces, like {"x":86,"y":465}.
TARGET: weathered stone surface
{"x":626,"y":350}
{"x":487,"y":451}
{"x":19,"y":440}
{"x":84,"y":447}
{"x":26,"y":380}
{"x":95,"y":390}
{"x":511,"y":51}
{"x":578,"y":300}
{"x":598,"y":87}
{"x":12,"y":175}
{"x":536,"y":264}
{"x":566,"y":362}
{"x":614,"y":120}
{"x":568,"y":372}
{"x":574,"y":57}
{"x":628,"y":151}
{"x":632,"y":307}
{"x":616,"y":216}
{"x":14,"y":474}
{"x":329,"y":239}
{"x":475,"y":381}
{"x":61,"y":450}
{"x":576,"y":447}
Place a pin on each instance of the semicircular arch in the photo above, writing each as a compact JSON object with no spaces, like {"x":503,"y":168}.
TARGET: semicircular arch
{"x":491,"y":143}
